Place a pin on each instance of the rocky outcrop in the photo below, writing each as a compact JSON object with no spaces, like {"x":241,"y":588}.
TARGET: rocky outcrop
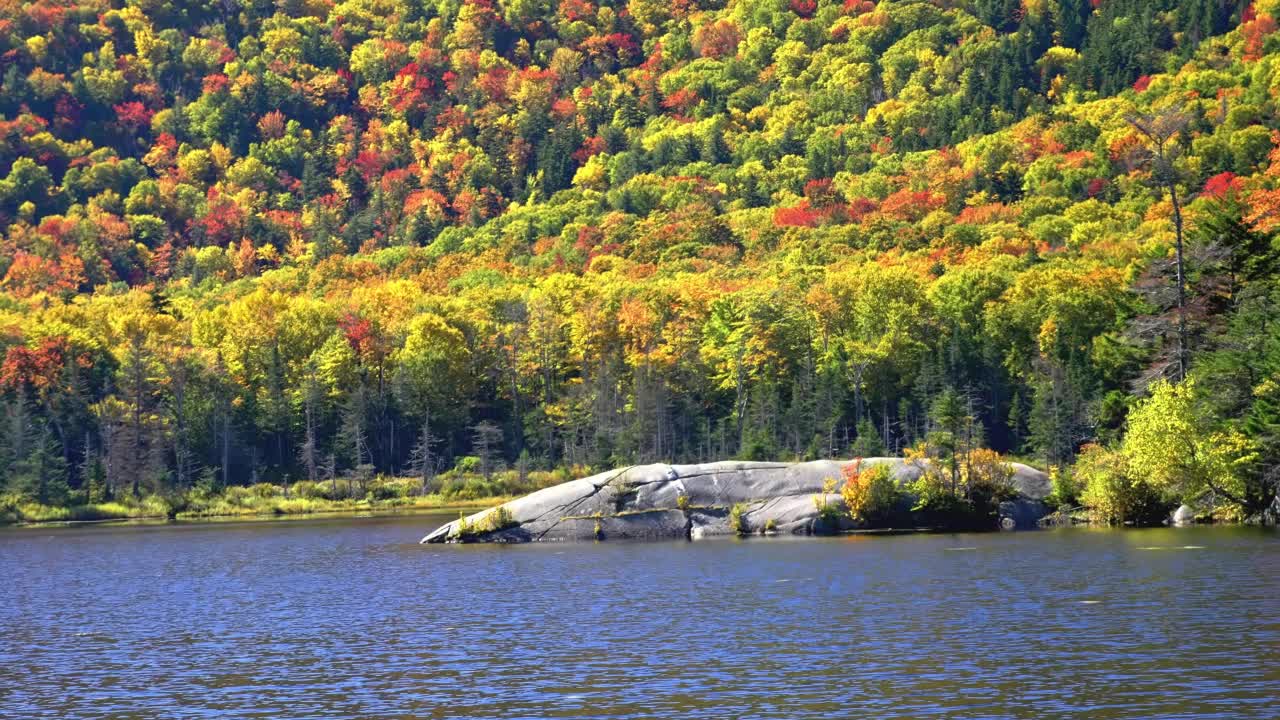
{"x":695,"y":501}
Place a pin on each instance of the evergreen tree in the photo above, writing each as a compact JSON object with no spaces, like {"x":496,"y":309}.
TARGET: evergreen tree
{"x":868,"y":442}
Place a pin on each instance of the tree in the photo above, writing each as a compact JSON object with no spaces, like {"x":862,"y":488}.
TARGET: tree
{"x":433,"y":380}
{"x":309,"y":451}
{"x":486,"y":443}
{"x":1162,"y":133}
{"x":42,"y":474}
{"x":1236,"y":249}
{"x":949,"y":416}
{"x":868,"y":442}
{"x":137,"y":452}
{"x":1174,"y":444}
{"x":15,"y":441}
{"x":353,"y":435}
{"x":181,"y":369}
{"x":314,"y":239}
{"x":724,"y":346}
{"x":423,"y":459}
{"x":1057,"y":422}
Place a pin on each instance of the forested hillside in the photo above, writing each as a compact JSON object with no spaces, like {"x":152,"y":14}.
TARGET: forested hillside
{"x":284,"y":241}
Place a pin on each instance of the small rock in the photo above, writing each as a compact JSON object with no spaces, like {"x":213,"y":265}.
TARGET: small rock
{"x":1184,"y":515}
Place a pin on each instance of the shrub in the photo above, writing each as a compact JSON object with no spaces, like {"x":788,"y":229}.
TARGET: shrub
{"x":451,"y":486}
{"x":333,"y":490}
{"x":987,"y":474}
{"x":471,"y":488}
{"x":1064,"y":487}
{"x":467,"y":464}
{"x":102,"y":511}
{"x":498,"y":518}
{"x":539,"y":479}
{"x":306,"y":489}
{"x":296,"y":506}
{"x":264,"y":490}
{"x":506,"y":479}
{"x":577,"y":470}
{"x":156,"y":506}
{"x":237,"y":495}
{"x":386,"y":489}
{"x":735,"y":518}
{"x":937,"y":503}
{"x":35,"y":512}
{"x":1111,"y":493}
{"x":476,"y":488}
{"x":464,"y":529}
{"x":9,"y":503}
{"x":869,"y":494}
{"x":988,"y":481}
{"x":828,"y":512}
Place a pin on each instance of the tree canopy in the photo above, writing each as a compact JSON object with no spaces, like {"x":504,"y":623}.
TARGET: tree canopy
{"x":252,"y":240}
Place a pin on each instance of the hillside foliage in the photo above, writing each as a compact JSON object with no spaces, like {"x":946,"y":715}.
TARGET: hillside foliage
{"x":305,"y":239}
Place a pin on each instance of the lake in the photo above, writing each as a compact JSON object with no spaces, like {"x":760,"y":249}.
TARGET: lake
{"x":351,"y":618}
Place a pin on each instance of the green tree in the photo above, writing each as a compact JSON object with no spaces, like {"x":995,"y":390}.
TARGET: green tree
{"x":868,"y":442}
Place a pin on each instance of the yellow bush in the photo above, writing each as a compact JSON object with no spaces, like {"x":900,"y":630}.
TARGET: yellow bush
{"x":868,"y":493}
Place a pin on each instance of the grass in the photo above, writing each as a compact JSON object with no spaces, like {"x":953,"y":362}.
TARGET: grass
{"x":30,"y":512}
{"x":382,"y":496}
{"x":278,"y":506}
{"x":450,"y":492}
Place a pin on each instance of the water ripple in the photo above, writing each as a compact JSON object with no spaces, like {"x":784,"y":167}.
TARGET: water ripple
{"x":352,"y":619}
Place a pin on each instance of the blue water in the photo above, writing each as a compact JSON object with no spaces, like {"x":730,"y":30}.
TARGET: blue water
{"x":353,"y":619}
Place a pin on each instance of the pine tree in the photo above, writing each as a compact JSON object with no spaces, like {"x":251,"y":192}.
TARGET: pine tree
{"x":42,"y":474}
{"x":1017,"y":421}
{"x":950,"y":419}
{"x":486,"y":443}
{"x":868,"y":442}
{"x":1070,"y":17}
{"x":353,"y":436}
{"x":15,"y":433}
{"x":423,"y":460}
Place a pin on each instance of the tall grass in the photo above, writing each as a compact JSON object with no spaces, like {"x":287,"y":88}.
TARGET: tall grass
{"x":448,"y":491}
{"x":17,"y":510}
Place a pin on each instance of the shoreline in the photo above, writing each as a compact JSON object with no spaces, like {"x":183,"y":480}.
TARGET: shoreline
{"x":373,"y":513}
{"x":349,"y":512}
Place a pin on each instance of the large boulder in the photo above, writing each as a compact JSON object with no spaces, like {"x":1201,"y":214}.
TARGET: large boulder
{"x":691,"y":501}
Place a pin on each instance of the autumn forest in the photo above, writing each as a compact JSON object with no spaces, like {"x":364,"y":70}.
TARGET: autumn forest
{"x":474,"y":242}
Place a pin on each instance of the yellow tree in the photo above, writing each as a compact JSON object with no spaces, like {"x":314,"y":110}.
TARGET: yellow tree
{"x":1173,"y":443}
{"x":433,"y":372}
